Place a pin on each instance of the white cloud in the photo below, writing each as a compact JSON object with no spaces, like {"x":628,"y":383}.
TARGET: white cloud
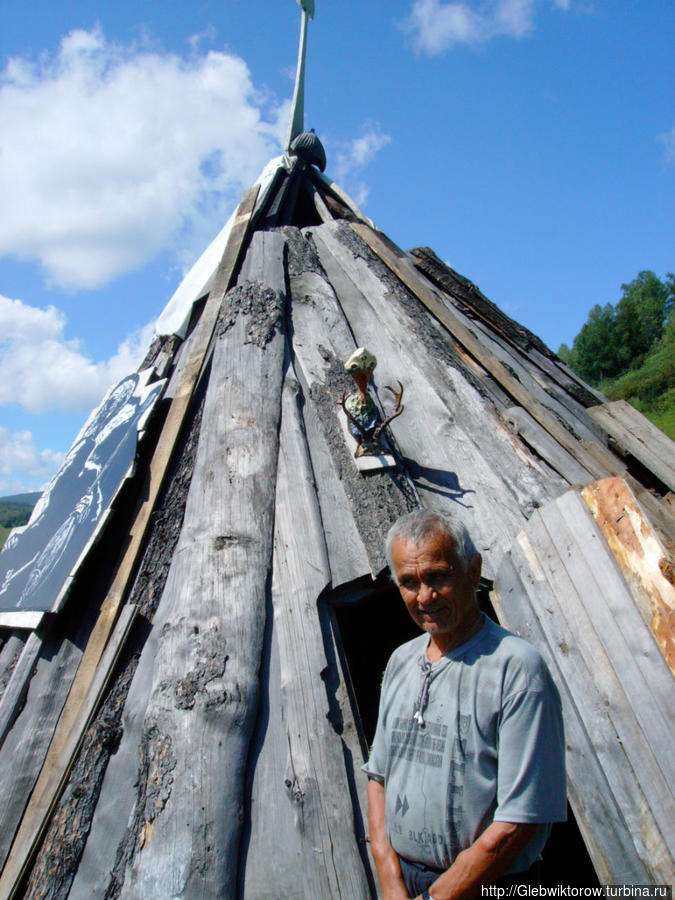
{"x":40,"y":369}
{"x":668,"y":141}
{"x":437,"y":26}
{"x":361,"y":151}
{"x":22,"y":466}
{"x":110,"y":154}
{"x":353,"y":156}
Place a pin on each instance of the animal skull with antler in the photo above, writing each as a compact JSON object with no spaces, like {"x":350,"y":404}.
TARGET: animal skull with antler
{"x":363,"y":417}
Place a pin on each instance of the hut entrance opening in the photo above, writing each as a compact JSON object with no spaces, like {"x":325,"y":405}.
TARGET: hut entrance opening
{"x":372,"y":621}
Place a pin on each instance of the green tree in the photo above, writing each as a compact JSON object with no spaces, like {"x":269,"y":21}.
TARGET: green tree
{"x":641,"y":315}
{"x":595,"y":352}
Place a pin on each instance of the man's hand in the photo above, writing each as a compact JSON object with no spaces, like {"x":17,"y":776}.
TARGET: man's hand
{"x":384,"y":856}
{"x":484,"y":861}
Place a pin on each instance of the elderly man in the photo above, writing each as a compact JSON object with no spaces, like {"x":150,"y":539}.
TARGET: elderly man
{"x":467,"y":766}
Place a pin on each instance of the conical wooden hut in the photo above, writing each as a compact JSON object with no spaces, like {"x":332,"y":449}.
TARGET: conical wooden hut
{"x":187,"y":712}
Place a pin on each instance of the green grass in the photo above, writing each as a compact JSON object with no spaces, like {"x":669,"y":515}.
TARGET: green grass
{"x":4,"y":534}
{"x":651,"y":387}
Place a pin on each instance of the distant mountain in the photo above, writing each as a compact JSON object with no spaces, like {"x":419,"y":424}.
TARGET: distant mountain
{"x":28,"y":499}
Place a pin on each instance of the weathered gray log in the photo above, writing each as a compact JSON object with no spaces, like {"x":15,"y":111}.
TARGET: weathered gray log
{"x":321,"y":333}
{"x":55,"y":771}
{"x":471,"y":296}
{"x":546,"y":446}
{"x":543,"y":389}
{"x":55,"y":660}
{"x":638,"y":436}
{"x":70,"y":718}
{"x":86,"y":848}
{"x":301,"y":791}
{"x":465,"y":294}
{"x":12,"y":647}
{"x":404,"y":270}
{"x":204,"y":698}
{"x":455,"y":466}
{"x":19,"y":673}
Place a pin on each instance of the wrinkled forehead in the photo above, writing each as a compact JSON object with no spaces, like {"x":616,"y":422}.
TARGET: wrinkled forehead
{"x":433,"y":547}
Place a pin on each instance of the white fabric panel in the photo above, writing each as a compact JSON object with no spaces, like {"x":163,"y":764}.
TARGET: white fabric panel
{"x":175,"y":317}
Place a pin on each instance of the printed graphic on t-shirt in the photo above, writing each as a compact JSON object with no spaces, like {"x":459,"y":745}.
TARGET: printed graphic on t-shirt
{"x":421,"y":745}
{"x":454,"y":806}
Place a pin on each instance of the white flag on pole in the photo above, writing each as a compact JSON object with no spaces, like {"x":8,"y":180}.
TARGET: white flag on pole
{"x":308,"y":6}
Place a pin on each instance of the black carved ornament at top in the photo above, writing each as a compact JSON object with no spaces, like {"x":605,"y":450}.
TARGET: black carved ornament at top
{"x":310,"y":149}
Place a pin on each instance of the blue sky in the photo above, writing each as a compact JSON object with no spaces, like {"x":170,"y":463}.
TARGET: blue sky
{"x":531,"y":143}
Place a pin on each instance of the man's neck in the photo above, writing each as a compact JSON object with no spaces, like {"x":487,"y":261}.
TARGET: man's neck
{"x":440,"y":644}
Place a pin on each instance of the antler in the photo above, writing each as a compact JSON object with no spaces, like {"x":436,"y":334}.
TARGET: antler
{"x":398,"y":409}
{"x":364,"y":434}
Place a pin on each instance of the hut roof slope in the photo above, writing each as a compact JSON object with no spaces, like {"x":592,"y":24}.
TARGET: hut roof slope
{"x":219,"y":752}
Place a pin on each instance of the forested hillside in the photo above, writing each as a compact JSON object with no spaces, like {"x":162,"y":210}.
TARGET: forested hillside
{"x":13,"y":514}
{"x":627,"y":351}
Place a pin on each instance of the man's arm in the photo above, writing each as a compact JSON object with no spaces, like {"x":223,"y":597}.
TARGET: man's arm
{"x":484,"y":861}
{"x":386,"y":860}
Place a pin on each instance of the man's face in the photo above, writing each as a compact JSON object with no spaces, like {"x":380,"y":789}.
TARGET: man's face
{"x":438,"y":593}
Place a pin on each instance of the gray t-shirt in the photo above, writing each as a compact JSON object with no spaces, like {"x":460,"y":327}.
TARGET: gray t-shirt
{"x":487,"y":745}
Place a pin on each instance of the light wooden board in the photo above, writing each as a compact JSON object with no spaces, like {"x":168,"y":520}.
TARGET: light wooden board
{"x":618,"y":686}
{"x":204,"y":697}
{"x":638,"y":436}
{"x":308,"y":798}
{"x":645,"y":564}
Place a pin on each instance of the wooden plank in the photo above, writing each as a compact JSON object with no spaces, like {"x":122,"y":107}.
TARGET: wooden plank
{"x":639,"y":731}
{"x":415,"y":283}
{"x":12,"y":647}
{"x":312,"y":790}
{"x":204,"y":698}
{"x":314,"y":195}
{"x":546,"y":446}
{"x":640,"y":668}
{"x":27,"y":742}
{"x":627,"y":755}
{"x":638,"y":436}
{"x":21,"y":619}
{"x":572,"y":375}
{"x":52,"y":780}
{"x":158,"y":467}
{"x":322,"y":341}
{"x":601,"y":787}
{"x":645,"y":565}
{"x":455,"y":467}
{"x":646,"y":432}
{"x":517,"y":362}
{"x":17,"y":686}
{"x":569,"y":382}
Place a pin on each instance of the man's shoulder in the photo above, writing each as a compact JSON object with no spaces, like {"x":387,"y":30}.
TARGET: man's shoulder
{"x":411,"y":648}
{"x":405,"y":653}
{"x":522,"y":663}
